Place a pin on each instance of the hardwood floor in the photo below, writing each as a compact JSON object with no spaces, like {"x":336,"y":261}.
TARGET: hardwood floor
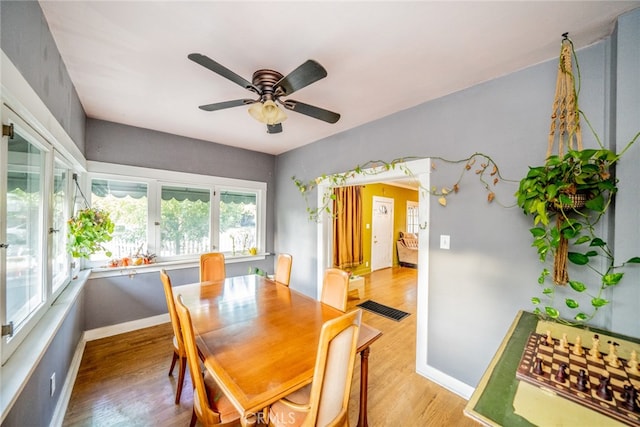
{"x":123,"y":379}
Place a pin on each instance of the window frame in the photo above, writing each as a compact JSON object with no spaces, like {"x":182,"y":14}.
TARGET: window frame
{"x":9,"y":344}
{"x":156,"y":178}
{"x":412,"y":212}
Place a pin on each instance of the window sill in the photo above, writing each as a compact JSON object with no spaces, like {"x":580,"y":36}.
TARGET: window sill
{"x":167,"y":265}
{"x":17,"y":371}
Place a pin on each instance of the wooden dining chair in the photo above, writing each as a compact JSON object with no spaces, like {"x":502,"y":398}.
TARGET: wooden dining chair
{"x":210,"y":405}
{"x":212,"y":267}
{"x":179,"y":353}
{"x":325,"y":401}
{"x":335,"y":288}
{"x":283,"y":269}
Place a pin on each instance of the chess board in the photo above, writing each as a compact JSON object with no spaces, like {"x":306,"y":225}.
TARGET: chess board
{"x":554,"y":355}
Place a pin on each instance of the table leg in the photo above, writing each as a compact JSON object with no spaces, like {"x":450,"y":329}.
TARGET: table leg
{"x":364,"y":381}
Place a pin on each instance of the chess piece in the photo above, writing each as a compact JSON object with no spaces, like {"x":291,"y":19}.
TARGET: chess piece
{"x":537,"y":367}
{"x":583,"y":381}
{"x":630,"y":397}
{"x":577,"y":347}
{"x":549,"y":339}
{"x":633,"y":363}
{"x":564,"y":342}
{"x":612,"y":357}
{"x":604,"y":389}
{"x":561,"y":375}
{"x":595,"y":347}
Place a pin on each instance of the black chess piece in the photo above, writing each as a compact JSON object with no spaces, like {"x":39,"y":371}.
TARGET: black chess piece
{"x":537,"y":367}
{"x":561,"y":375}
{"x":583,"y":381}
{"x":604,"y":390}
{"x":630,"y":397}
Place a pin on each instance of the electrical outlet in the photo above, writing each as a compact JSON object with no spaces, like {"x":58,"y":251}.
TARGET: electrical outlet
{"x":444,"y":241}
{"x":52,"y":384}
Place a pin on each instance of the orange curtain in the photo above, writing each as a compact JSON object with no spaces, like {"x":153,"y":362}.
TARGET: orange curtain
{"x":347,"y":227}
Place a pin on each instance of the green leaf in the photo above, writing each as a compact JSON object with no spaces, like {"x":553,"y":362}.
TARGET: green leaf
{"x":552,"y":312}
{"x":535,"y":300}
{"x":598,"y":242}
{"x":612,"y":279}
{"x":539,"y":232}
{"x":634,"y":260}
{"x":582,"y":240}
{"x":571,"y":303}
{"x":599,"y":302}
{"x":596,"y":204}
{"x":578,"y":258}
{"x":591,"y":253}
{"x":581,"y":317}
{"x":547,"y":291}
{"x":577,"y":286}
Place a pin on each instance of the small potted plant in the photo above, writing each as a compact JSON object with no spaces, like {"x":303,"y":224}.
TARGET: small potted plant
{"x":87,"y":231}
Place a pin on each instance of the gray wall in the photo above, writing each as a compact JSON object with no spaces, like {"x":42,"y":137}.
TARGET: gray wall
{"x":477,"y":287}
{"x":26,"y":40}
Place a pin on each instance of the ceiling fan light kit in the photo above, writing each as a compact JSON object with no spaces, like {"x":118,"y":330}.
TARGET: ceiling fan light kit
{"x":270,"y":85}
{"x":267,"y":113}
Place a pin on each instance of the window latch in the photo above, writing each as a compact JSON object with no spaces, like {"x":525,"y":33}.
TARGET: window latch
{"x":7,"y":329}
{"x":4,"y":245}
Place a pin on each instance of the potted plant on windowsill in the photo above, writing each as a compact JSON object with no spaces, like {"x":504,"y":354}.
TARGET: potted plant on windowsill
{"x":87,"y":231}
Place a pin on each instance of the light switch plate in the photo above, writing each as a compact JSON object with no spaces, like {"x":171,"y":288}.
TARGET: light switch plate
{"x":444,"y":241}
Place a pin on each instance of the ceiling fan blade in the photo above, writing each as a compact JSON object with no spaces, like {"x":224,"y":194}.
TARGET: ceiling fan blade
{"x":226,"y":104}
{"x":277,"y":128}
{"x":212,"y":65}
{"x":311,"y":111}
{"x":303,"y":76}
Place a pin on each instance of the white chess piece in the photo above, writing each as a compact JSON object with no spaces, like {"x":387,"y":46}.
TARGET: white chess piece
{"x":577,"y":347}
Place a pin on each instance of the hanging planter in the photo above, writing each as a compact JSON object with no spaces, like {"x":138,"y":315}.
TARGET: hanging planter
{"x":567,"y":196}
{"x":88,"y":229}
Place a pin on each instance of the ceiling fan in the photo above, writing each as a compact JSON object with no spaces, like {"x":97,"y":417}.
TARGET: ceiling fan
{"x":271,"y":86}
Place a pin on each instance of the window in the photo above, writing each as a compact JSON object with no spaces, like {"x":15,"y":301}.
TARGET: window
{"x":35,"y":264}
{"x":412,"y":217}
{"x":185,"y":221}
{"x":238,"y":232}
{"x":127,"y":204}
{"x":58,"y":230}
{"x":177,"y":216}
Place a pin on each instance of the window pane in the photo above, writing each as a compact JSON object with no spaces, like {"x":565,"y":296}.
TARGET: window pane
{"x":237,"y":221}
{"x":59,"y":256}
{"x":24,"y":230}
{"x":185,"y":221}
{"x":412,"y":217}
{"x":126,"y":203}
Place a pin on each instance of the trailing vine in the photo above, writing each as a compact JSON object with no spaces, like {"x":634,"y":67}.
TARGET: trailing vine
{"x":482,"y":165}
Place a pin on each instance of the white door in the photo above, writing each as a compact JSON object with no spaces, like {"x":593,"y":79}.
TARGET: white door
{"x":382,"y":233}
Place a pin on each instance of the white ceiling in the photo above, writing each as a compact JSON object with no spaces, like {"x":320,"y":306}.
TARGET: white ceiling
{"x":128,"y":60}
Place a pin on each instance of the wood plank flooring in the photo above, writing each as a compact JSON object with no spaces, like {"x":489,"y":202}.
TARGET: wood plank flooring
{"x":123,"y":379}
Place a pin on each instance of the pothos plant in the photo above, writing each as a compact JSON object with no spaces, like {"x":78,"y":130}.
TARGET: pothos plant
{"x":87,"y":231}
{"x":482,"y":165}
{"x":576,"y":190}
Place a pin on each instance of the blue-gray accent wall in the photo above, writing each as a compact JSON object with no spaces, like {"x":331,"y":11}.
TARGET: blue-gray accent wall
{"x":490,"y":273}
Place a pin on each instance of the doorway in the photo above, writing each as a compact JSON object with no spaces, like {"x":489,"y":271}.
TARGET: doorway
{"x":382,"y":233}
{"x":419,"y":172}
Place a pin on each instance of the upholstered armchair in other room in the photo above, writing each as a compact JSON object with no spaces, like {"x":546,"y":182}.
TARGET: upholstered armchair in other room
{"x":407,"y":246}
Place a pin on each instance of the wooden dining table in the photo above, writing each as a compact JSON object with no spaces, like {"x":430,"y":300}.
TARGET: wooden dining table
{"x":259,"y":339}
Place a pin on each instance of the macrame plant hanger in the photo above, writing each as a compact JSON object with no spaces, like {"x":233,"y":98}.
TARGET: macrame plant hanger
{"x":79,"y":190}
{"x":565,"y":132}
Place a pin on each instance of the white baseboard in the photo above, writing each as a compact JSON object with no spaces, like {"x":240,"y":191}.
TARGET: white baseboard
{"x":121,"y":328}
{"x":458,"y":387}
{"x":67,"y":387}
